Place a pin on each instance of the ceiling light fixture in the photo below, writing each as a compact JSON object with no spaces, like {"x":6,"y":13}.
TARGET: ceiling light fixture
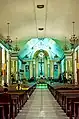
{"x":16,"y":48}
{"x":65,"y":46}
{"x":40,"y":29}
{"x":40,"y":6}
{"x":74,"y":39}
{"x":8,"y":40}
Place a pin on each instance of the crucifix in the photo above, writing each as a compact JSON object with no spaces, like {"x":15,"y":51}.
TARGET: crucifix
{"x":41,"y":62}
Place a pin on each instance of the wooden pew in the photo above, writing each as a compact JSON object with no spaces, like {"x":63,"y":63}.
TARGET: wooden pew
{"x":14,"y":100}
{"x":2,"y":112}
{"x":8,"y":104}
{"x":68,"y":98}
{"x":69,"y":104}
{"x":17,"y":97}
{"x":76,"y":110}
{"x":54,"y":88}
{"x":60,"y":94}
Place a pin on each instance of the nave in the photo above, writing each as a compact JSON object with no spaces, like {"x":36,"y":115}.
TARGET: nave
{"x":39,"y":45}
{"x":41,"y":105}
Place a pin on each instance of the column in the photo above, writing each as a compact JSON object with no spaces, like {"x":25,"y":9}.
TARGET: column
{"x":36,"y":68}
{"x":31,"y":69}
{"x":3,"y":63}
{"x":5,"y":66}
{"x":0,"y":65}
{"x":13,"y":63}
{"x":64,"y":66}
{"x":8,"y":68}
{"x":45,"y":67}
{"x":22,"y":68}
{"x":66,"y":70}
{"x":48,"y":67}
{"x":51,"y":68}
{"x":78,"y":65}
{"x":16,"y":69}
{"x":74,"y":67}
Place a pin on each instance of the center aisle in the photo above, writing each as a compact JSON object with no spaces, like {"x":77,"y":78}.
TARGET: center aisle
{"x":41,"y":105}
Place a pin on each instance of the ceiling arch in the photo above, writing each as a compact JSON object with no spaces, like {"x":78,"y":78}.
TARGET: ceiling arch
{"x":38,"y":44}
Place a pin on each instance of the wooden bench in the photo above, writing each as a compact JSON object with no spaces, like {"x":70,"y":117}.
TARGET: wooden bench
{"x":7,"y":102}
{"x":60,"y":94}
{"x":2,"y":112}
{"x":76,"y":110}
{"x":13,"y":101}
{"x":68,"y":98}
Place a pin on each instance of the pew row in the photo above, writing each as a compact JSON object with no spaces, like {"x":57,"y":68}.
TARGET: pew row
{"x":11,"y":102}
{"x":67,"y":96}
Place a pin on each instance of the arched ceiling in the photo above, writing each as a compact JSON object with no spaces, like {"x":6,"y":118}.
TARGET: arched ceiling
{"x":41,"y":44}
{"x":56,"y":18}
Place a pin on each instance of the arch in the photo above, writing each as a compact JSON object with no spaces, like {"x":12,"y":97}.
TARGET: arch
{"x":37,"y":44}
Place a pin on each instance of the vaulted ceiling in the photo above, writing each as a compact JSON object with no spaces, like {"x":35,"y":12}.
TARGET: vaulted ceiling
{"x":41,"y":45}
{"x":25,"y":18}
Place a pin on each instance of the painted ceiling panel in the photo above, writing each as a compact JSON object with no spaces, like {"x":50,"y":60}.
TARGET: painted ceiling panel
{"x":46,"y":44}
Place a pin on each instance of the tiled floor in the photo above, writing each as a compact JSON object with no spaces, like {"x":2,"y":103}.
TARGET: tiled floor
{"x":41,"y":105}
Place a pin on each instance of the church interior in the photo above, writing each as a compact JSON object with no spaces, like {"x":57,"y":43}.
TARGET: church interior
{"x":39,"y":59}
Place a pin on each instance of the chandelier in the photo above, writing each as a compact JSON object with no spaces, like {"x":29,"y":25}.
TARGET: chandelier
{"x":65,"y":46}
{"x":16,"y":48}
{"x":8,"y":40}
{"x":74,"y":39}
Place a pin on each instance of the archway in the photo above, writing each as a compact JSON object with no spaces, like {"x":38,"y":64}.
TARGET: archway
{"x":46,"y":44}
{"x":41,"y":57}
{"x":41,"y":54}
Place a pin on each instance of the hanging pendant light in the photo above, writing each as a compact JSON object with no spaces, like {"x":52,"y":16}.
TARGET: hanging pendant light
{"x":65,"y":46}
{"x":40,"y":6}
{"x":8,"y":40}
{"x":74,"y":39}
{"x":16,"y":48}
